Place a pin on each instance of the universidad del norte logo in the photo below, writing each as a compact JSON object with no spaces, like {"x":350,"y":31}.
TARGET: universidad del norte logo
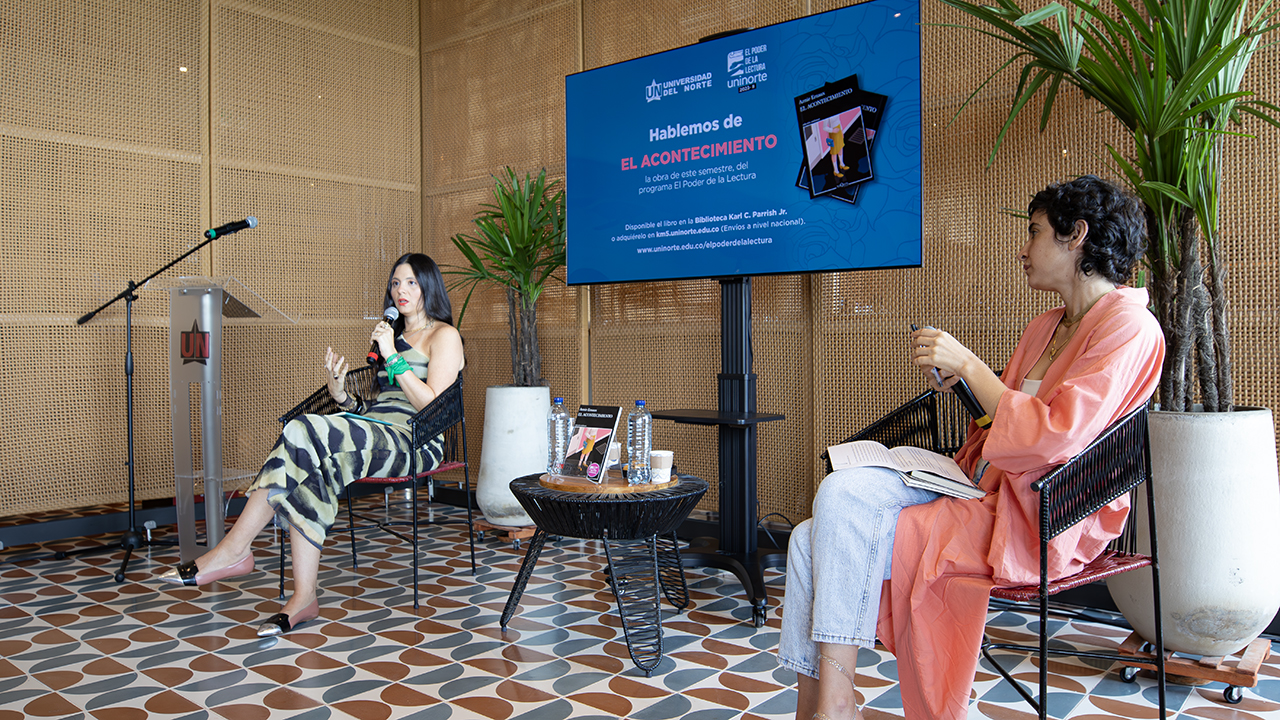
{"x":195,"y":345}
{"x":658,"y":90}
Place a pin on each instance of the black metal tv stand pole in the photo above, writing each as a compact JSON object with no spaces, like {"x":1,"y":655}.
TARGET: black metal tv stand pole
{"x":736,"y":550}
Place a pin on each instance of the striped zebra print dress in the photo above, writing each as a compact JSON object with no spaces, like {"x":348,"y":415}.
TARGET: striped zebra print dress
{"x":319,"y":455}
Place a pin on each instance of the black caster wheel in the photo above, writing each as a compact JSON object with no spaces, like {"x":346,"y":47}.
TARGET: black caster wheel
{"x":515,"y":544}
{"x":1129,"y":674}
{"x":757,"y":615}
{"x":1233,"y":694}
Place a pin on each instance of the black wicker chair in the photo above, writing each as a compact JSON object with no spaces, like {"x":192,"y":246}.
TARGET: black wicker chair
{"x":1115,"y":463}
{"x":443,"y":416}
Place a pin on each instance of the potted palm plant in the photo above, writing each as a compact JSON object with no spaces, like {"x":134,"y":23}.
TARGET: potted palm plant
{"x":518,"y":245}
{"x":1170,"y":71}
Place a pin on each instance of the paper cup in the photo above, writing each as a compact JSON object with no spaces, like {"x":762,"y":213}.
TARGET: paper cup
{"x":660,"y":462}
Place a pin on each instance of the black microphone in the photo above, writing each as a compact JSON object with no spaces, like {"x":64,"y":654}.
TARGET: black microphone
{"x":970,"y":403}
{"x":231,"y":227}
{"x":389,"y":315}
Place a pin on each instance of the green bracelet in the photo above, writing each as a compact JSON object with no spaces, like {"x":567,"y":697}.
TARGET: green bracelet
{"x":395,"y":366}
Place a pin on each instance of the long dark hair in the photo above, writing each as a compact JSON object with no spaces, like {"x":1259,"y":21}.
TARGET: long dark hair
{"x":435,"y":301}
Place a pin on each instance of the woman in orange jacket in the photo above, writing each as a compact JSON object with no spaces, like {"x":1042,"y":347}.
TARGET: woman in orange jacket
{"x":878,"y":559}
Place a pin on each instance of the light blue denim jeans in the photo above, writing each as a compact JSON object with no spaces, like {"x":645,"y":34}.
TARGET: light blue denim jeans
{"x":837,"y":561}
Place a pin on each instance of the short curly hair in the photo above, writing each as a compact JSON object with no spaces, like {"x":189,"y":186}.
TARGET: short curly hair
{"x":1117,"y":223}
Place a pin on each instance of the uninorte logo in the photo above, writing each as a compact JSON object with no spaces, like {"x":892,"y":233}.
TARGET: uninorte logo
{"x":195,"y":345}
{"x":736,"y":60}
{"x":653,"y":92}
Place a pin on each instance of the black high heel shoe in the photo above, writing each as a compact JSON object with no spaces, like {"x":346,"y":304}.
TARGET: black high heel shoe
{"x":281,"y":623}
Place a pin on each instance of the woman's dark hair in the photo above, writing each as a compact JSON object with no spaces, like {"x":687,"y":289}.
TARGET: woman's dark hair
{"x":1117,"y":223}
{"x":435,"y":301}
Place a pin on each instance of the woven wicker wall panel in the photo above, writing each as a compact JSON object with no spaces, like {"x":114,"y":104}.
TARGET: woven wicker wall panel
{"x":65,"y":431}
{"x":618,"y":30}
{"x":323,"y":249}
{"x":82,"y":221}
{"x":103,"y":71}
{"x":100,"y":135}
{"x":377,"y":22}
{"x":446,"y":21}
{"x":510,"y":113}
{"x":660,"y":342}
{"x":1251,"y":205}
{"x":304,"y":98}
{"x":782,"y":336}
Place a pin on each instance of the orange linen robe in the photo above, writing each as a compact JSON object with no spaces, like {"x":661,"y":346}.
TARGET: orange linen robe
{"x":949,"y":553}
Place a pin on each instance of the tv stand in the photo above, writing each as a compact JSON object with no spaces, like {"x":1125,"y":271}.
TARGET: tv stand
{"x":736,"y":550}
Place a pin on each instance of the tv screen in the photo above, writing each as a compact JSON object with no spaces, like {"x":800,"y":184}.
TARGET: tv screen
{"x":787,"y":149}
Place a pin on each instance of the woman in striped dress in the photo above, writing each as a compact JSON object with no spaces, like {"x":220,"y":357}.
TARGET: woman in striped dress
{"x":318,"y":455}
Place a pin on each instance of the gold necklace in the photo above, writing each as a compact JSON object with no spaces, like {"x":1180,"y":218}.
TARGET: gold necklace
{"x":429,"y":324}
{"x":1069,"y":324}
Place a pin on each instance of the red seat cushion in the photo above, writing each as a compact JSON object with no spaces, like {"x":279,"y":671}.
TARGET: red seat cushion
{"x":1104,"y":566}
{"x":454,"y":465}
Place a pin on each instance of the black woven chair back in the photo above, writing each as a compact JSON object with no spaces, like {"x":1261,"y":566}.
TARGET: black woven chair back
{"x":361,"y":381}
{"x":931,"y":420}
{"x":1115,"y":463}
{"x":444,"y":416}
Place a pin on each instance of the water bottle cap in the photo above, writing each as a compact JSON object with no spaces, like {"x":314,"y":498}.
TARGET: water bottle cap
{"x":639,"y":403}
{"x":559,"y":400}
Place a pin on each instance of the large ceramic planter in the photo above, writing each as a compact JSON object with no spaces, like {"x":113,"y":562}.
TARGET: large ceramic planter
{"x":515,"y":444}
{"x":1217,"y":501}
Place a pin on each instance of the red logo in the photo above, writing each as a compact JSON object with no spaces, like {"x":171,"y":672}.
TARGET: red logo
{"x":195,"y":345}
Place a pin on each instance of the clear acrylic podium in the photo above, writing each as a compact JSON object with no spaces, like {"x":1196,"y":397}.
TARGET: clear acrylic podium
{"x":198,"y":309}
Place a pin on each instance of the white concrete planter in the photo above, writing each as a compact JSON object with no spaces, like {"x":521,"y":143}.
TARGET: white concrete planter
{"x":1217,"y":504}
{"x":515,"y":444}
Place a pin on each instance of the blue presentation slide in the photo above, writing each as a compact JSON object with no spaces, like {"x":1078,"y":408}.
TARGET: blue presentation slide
{"x":790,"y":148}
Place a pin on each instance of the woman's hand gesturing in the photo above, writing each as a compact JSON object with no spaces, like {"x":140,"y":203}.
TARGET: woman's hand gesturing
{"x":336,"y":375}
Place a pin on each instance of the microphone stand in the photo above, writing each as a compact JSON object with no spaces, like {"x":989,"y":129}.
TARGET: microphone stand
{"x":132,"y":538}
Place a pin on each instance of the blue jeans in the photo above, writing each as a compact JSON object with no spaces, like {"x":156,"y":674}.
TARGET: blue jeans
{"x":837,"y":562}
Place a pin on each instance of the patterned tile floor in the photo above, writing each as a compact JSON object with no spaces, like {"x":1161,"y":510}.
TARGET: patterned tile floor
{"x":75,"y":644}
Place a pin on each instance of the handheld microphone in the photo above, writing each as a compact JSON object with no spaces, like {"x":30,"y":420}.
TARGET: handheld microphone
{"x":389,"y":315}
{"x":966,"y":396}
{"x":231,"y":227}
{"x":970,"y":403}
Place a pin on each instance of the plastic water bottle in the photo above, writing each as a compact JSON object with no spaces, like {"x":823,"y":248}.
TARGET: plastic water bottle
{"x":557,"y":437}
{"x":639,"y":444}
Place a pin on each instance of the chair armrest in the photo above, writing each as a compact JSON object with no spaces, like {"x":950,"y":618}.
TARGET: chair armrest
{"x":442,"y":413}
{"x":1117,"y":461}
{"x":363,"y":381}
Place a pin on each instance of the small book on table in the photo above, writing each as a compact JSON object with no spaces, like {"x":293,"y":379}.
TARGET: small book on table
{"x":593,"y":430}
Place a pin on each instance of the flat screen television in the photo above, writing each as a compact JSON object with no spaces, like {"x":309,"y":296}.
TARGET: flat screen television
{"x":791,"y":148}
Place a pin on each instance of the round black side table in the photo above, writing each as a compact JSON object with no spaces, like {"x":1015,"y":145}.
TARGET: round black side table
{"x":640,"y":544}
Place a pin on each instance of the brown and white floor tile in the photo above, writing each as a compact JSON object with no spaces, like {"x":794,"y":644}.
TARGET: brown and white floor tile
{"x":75,"y":644}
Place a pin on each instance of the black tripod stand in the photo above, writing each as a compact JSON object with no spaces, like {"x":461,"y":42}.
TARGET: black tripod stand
{"x":133,"y":537}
